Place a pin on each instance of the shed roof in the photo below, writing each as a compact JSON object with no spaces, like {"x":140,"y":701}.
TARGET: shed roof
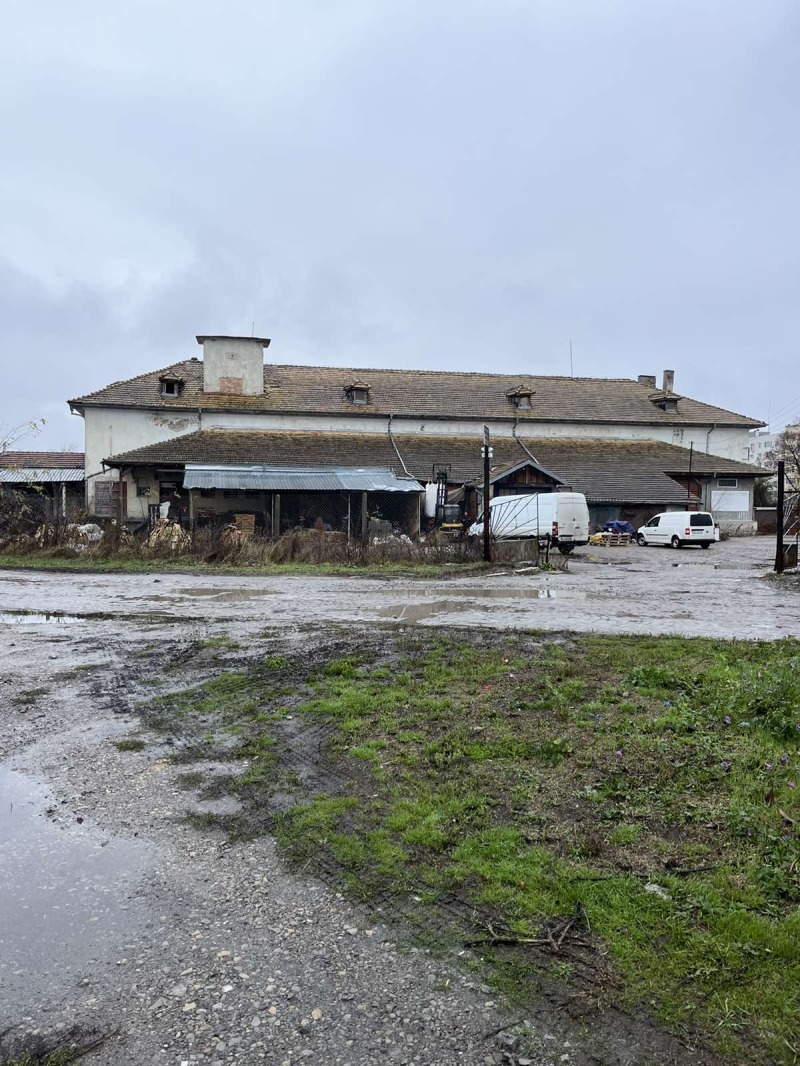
{"x":21,"y":475}
{"x":296,"y":479}
{"x":43,"y":460}
{"x":631,"y":471}
{"x":417,"y":393}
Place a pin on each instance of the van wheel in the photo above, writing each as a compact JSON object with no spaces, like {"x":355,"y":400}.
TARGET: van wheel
{"x":641,"y":541}
{"x":565,"y":549}
{"x":676,"y":542}
{"x":705,"y":545}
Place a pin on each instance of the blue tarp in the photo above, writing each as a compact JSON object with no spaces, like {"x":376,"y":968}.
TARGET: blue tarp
{"x":618,"y":527}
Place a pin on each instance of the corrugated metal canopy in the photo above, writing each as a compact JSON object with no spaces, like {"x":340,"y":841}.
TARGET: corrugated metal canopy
{"x":26,"y":476}
{"x":296,"y":479}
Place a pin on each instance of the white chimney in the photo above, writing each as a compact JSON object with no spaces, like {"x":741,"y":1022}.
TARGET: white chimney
{"x":669,"y":382}
{"x":233,"y":365}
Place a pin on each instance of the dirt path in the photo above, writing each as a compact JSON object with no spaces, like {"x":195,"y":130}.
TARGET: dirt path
{"x":721,"y":593}
{"x":119,"y":917}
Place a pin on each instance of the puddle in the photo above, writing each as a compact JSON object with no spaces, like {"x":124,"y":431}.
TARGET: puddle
{"x":65,"y":892}
{"x":222,"y":595}
{"x":416,"y":612}
{"x":32,"y":618}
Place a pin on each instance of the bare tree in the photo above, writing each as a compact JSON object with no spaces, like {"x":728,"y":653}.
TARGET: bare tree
{"x":787,"y":448}
{"x":11,"y":435}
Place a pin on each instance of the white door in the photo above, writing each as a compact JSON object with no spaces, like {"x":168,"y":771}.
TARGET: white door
{"x":654,"y":533}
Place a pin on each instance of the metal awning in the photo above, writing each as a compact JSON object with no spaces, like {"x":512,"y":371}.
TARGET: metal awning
{"x":17,"y":475}
{"x":296,"y":478}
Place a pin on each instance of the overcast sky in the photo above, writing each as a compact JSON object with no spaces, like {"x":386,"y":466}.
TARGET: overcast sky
{"x":399,"y":183}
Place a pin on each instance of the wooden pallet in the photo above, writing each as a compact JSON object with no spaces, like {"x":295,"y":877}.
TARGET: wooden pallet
{"x":612,"y":540}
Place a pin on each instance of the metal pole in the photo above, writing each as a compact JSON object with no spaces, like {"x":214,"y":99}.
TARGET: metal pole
{"x":120,"y":484}
{"x":779,"y":514}
{"x":487,"y":533}
{"x":364,"y":518}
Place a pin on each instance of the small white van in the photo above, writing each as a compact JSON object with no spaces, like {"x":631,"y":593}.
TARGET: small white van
{"x":562,"y":515}
{"x":677,"y":528}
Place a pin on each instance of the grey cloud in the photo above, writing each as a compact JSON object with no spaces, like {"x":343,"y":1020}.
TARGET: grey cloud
{"x":432,"y":184}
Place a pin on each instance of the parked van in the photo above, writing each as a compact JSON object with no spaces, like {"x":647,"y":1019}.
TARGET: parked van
{"x":677,"y":528}
{"x":562,"y":515}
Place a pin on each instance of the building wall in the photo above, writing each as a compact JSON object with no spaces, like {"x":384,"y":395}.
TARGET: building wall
{"x":111,"y":431}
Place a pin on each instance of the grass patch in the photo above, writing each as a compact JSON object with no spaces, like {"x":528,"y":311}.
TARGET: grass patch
{"x":222,"y":642}
{"x":129,"y":744}
{"x":529,"y":792}
{"x":28,"y":696}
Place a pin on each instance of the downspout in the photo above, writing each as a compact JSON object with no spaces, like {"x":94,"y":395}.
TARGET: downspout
{"x":396,"y":449}
{"x":519,"y":442}
{"x":713,"y":427}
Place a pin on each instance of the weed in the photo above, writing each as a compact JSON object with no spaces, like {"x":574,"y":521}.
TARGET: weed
{"x":129,"y":744}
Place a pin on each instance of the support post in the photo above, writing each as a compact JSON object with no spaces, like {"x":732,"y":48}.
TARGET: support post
{"x":487,"y":470}
{"x":364,"y":518}
{"x":63,"y":499}
{"x":779,"y":514}
{"x":119,"y":507}
{"x":191,"y":512}
{"x":276,"y":515}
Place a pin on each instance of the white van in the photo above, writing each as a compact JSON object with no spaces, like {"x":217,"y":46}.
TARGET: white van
{"x":677,"y":528}
{"x":562,"y":515}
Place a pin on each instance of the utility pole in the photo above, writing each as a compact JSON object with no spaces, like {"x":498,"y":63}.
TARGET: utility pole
{"x":487,"y":533}
{"x":779,"y":515}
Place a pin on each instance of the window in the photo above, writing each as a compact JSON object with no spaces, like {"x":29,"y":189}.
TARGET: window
{"x":207,"y":494}
{"x":701,"y":520}
{"x":728,"y":482}
{"x":521,"y":397}
{"x":171,"y":386}
{"x":357,"y":393}
{"x":142,"y":488}
{"x":654,"y":521}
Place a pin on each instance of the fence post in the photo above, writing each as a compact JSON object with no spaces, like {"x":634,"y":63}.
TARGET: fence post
{"x":779,"y":524}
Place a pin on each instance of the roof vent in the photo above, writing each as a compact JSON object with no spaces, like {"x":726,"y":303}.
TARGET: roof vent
{"x":357,"y":392}
{"x":171,"y":386}
{"x":521,"y":397}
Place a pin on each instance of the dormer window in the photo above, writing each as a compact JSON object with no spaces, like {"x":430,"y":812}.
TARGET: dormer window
{"x":357,"y":393}
{"x":522,"y":397}
{"x":171,"y":387}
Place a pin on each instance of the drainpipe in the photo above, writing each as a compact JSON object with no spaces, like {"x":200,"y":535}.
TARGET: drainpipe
{"x":519,"y":442}
{"x":396,"y":449}
{"x":713,"y":427}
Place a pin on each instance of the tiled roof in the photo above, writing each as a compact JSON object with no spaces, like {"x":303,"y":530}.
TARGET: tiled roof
{"x":417,"y":393}
{"x":43,"y":460}
{"x":634,"y":471}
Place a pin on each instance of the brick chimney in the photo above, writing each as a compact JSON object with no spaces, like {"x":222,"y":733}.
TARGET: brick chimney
{"x":668,"y":385}
{"x":233,"y":365}
{"x":647,"y":379}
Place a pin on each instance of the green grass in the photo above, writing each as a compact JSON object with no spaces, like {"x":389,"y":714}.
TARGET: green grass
{"x":129,"y":744}
{"x":222,"y":642}
{"x":533,"y":779}
{"x":28,"y":696}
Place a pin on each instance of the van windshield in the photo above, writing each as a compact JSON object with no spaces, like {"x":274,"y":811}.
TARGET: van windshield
{"x":701,"y":520}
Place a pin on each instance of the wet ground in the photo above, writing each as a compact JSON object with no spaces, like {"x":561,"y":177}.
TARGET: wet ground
{"x":721,"y":592}
{"x":118,"y":916}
